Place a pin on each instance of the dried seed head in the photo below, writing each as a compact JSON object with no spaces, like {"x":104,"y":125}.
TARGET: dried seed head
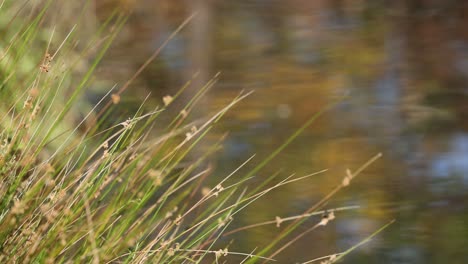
{"x":188,"y":136}
{"x":170,"y":252}
{"x":115,"y":98}
{"x":18,"y":208}
{"x":44,"y":68}
{"x":184,"y":113}
{"x":154,"y":173}
{"x":332,"y":259}
{"x":221,"y":252}
{"x":34,"y":92}
{"x":49,"y":168}
{"x":331,"y":215}
{"x":35,"y":112}
{"x":167,"y":100}
{"x":178,"y":220}
{"x":28,"y":103}
{"x":347,"y":179}
{"x":156,"y":176}
{"x":168,"y":215}
{"x":171,"y":213}
{"x":327,"y":217}
{"x":105,"y":154}
{"x":278,"y":221}
{"x":127,"y":124}
{"x":205,"y":191}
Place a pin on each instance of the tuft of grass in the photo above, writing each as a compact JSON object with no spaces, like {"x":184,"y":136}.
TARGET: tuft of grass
{"x":76,"y":189}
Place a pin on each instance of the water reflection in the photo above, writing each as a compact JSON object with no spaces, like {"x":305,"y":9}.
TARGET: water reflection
{"x":402,"y":65}
{"x":454,"y":161}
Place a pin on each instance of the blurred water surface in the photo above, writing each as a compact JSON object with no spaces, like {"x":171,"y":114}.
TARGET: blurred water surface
{"x":404,"y":68}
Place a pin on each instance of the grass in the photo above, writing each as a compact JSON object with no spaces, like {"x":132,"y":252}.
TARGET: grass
{"x":90,"y":192}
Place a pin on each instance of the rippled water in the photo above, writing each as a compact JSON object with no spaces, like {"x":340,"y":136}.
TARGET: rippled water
{"x":398,"y":70}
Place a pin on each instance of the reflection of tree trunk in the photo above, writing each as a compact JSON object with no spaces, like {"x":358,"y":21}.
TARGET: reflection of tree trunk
{"x":200,"y":44}
{"x":199,"y":55}
{"x":429,"y":36}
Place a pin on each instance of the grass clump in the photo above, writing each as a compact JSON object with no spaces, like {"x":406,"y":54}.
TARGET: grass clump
{"x":89,"y":192}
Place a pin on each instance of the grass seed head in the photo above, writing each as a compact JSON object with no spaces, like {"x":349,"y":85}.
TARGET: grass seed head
{"x":167,"y":100}
{"x":115,"y":98}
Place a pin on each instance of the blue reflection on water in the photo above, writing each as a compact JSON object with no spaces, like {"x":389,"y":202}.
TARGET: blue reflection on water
{"x":453,"y":162}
